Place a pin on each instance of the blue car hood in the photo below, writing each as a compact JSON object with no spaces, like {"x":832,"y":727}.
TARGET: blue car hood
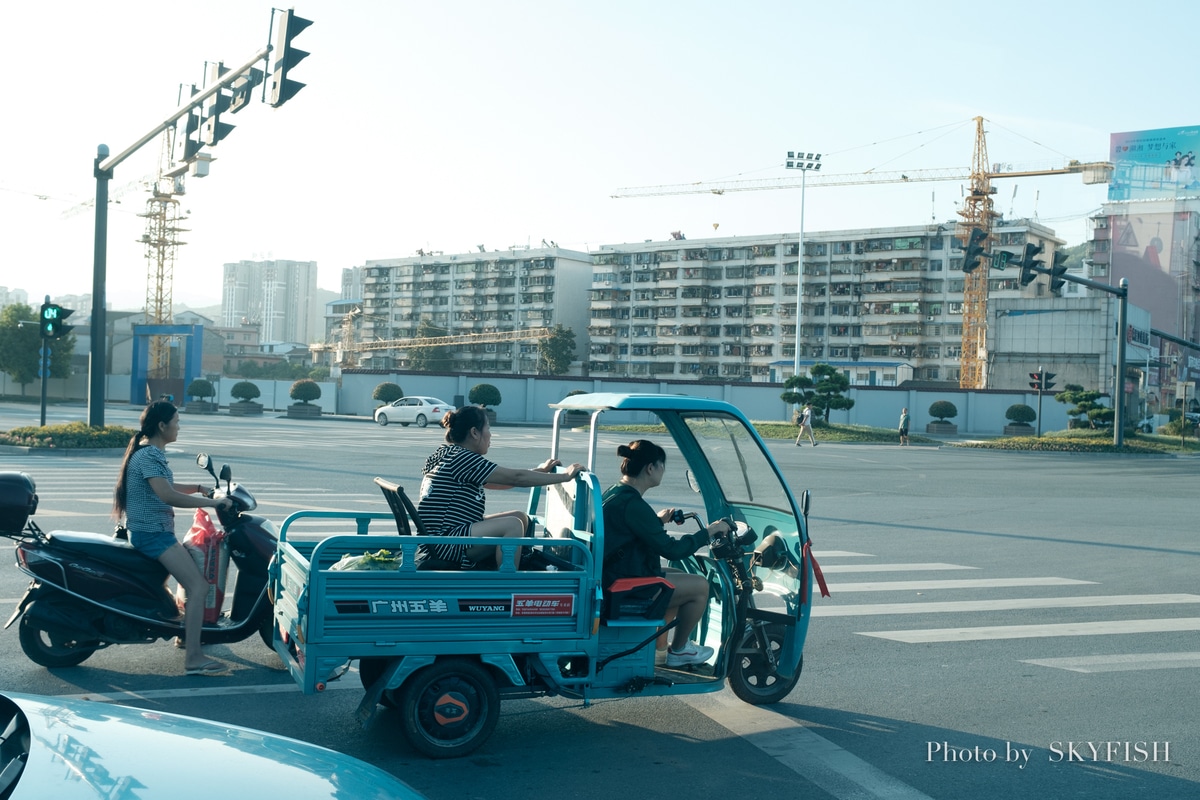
{"x":91,"y":750}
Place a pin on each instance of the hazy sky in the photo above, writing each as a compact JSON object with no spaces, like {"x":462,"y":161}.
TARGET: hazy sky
{"x":446,"y":125}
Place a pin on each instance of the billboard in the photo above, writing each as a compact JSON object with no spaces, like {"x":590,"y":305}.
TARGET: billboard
{"x":1154,"y":165}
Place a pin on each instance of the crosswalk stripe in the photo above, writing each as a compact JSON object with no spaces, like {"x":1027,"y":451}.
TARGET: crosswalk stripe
{"x":964,"y":583}
{"x":927,"y":567}
{"x":1011,"y":604}
{"x":1122,"y":662}
{"x":824,"y":554}
{"x":994,"y":632}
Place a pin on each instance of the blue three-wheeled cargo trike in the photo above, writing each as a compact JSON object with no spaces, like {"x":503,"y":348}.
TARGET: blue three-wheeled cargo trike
{"x":441,"y":647}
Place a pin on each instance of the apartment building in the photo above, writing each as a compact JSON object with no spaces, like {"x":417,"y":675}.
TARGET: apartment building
{"x":495,"y":295}
{"x":278,"y":296}
{"x":725,"y":308}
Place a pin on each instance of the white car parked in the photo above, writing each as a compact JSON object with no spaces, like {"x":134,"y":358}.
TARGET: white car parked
{"x":413,"y":410}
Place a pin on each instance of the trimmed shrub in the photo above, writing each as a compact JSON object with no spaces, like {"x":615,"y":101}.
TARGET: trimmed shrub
{"x":484,"y":394}
{"x":305,"y":390}
{"x":201,"y":388}
{"x":245,"y":391}
{"x":942,"y":410}
{"x":1020,"y":414}
{"x":387,"y":392}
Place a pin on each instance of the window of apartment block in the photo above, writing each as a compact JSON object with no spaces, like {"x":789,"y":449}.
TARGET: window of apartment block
{"x":935,"y":265}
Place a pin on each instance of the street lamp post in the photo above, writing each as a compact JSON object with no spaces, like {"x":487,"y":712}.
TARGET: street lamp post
{"x":805,"y":162}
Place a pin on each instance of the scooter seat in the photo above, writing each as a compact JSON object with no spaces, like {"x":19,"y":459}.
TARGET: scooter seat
{"x":117,"y":552}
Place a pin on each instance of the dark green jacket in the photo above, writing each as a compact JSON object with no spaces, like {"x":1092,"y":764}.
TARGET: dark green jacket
{"x":635,"y":539}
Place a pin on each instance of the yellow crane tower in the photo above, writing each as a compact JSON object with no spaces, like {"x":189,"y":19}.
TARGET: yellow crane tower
{"x":161,"y":242}
{"x":976,"y":213}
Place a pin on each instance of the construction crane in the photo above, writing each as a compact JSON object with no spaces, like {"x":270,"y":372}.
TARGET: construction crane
{"x":161,"y":242}
{"x":977,"y":212}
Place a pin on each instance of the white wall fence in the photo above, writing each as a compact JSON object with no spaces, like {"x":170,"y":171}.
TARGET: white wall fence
{"x":525,"y":399}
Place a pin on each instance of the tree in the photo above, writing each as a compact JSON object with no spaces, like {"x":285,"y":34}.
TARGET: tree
{"x":942,"y":410}
{"x":799,"y":391}
{"x":556,"y":351}
{"x":244,"y":391}
{"x":387,"y":392}
{"x":484,"y":394}
{"x":248,"y":369}
{"x":305,"y":390}
{"x":828,"y":385}
{"x":1020,"y":414}
{"x":20,"y":346}
{"x":430,"y":359}
{"x":1084,"y":404}
{"x":201,"y":388}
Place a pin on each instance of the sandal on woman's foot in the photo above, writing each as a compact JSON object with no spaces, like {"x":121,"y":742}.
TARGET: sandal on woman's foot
{"x":209,"y":668}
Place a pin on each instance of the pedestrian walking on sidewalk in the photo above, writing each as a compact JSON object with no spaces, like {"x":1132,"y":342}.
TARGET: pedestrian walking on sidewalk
{"x":904,"y":427}
{"x":806,"y":425}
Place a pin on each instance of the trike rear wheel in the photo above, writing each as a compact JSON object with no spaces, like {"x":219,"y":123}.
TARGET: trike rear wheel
{"x":449,"y":708}
{"x":752,"y":676}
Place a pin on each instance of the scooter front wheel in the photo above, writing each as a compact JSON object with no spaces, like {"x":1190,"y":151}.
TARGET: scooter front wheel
{"x":449,"y":708}
{"x":753,"y":676}
{"x":52,"y":649}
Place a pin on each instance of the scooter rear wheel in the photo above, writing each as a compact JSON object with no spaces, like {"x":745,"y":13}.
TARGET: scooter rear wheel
{"x":52,"y":649}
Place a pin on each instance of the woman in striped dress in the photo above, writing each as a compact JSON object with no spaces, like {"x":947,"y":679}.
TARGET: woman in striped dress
{"x":451,"y":502}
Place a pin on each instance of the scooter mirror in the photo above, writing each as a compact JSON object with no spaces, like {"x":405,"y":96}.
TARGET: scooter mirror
{"x":691,"y":481}
{"x":805,"y":498}
{"x":206,"y":463}
{"x":226,"y":473}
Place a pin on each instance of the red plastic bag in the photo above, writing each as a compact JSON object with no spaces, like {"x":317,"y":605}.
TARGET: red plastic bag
{"x":205,"y":543}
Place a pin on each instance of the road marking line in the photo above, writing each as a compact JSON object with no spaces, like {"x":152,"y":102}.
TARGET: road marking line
{"x":993,"y":632}
{"x":1012,"y":604}
{"x":1124,"y":662}
{"x":837,"y":771}
{"x":909,"y":567}
{"x":823,"y":554}
{"x":212,"y":691}
{"x":965,"y":583}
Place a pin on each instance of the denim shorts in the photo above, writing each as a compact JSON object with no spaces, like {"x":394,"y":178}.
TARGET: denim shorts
{"x":153,"y":544}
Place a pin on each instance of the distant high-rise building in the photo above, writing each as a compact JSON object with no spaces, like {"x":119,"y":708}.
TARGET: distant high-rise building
{"x":278,"y":296}
{"x":352,"y":283}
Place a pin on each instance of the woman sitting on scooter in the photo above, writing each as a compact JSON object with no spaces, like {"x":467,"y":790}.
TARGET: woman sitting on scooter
{"x":146,"y":495}
{"x":452,"y":499}
{"x":635,"y":540}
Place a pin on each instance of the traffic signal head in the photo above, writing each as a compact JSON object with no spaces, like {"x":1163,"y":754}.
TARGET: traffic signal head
{"x":974,"y":250}
{"x":1058,"y":271}
{"x":186,"y":144}
{"x":212,"y":130}
{"x":285,"y":56}
{"x":1030,"y":266}
{"x":53,"y":321}
{"x":242,"y":89}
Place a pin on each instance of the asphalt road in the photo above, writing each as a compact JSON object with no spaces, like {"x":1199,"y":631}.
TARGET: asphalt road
{"x":1001,"y":625}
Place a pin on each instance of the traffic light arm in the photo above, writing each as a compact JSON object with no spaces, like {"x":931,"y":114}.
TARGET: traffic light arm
{"x":194,"y":102}
{"x":1091,"y":284}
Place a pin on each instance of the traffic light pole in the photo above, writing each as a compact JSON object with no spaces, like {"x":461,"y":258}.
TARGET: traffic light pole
{"x":1122,"y":294}
{"x":103,"y":170}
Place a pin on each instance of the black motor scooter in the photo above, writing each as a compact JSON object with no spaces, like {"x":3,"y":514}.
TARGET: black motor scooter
{"x":90,"y":590}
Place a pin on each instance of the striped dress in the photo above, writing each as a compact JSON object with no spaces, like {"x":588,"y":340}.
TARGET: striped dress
{"x":452,"y":498}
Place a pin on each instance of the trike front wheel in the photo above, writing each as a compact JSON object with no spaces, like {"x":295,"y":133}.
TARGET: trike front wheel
{"x":753,"y":676}
{"x":449,"y":708}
